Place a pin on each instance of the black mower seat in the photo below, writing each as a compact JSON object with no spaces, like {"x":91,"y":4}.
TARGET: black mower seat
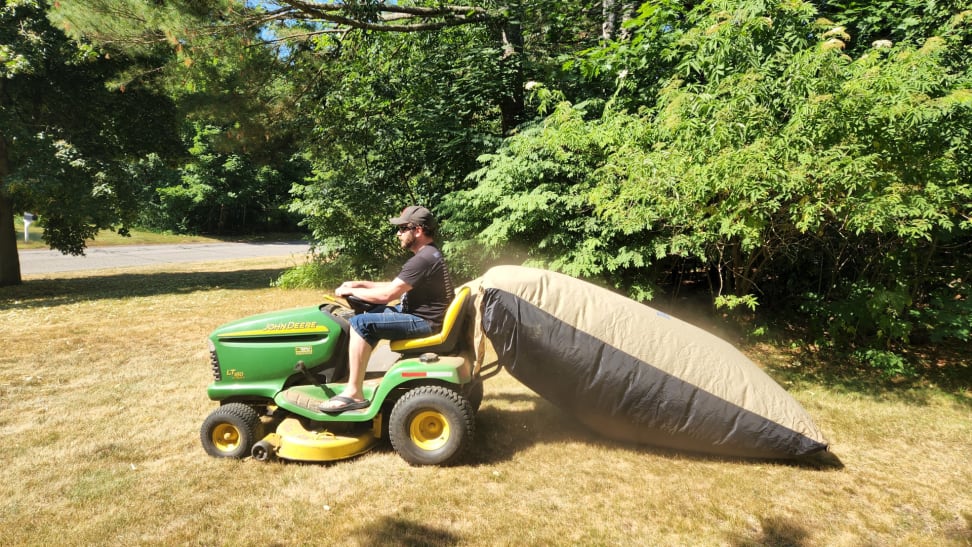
{"x":446,"y":340}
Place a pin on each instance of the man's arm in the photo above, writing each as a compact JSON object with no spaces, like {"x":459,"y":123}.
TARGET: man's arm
{"x":374,"y":292}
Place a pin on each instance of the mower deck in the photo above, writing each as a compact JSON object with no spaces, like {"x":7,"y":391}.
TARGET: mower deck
{"x":295,"y":441}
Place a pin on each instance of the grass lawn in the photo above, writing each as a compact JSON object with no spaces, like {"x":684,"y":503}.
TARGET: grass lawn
{"x":103,"y":381}
{"x":107,"y":237}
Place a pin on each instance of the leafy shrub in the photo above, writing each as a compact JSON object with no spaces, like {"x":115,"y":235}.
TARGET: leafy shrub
{"x":866,"y":313}
{"x":745,"y":146}
{"x":948,"y":313}
{"x":888,"y":363}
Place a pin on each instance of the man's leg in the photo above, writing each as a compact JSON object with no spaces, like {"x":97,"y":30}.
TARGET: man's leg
{"x":366,"y":330}
{"x":359,"y":352}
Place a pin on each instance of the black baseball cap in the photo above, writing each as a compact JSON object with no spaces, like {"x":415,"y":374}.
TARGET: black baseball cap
{"x":415,"y":215}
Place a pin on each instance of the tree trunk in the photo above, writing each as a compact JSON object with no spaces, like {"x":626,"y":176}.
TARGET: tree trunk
{"x":629,"y":10}
{"x":221,"y":223}
{"x":610,"y":19}
{"x":611,"y":10}
{"x":512,"y":103}
{"x":9,"y":259}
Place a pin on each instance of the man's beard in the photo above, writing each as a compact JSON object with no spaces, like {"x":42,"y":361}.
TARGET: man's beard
{"x":408,"y":241}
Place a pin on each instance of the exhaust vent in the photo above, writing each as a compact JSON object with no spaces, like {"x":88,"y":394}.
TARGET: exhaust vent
{"x":214,"y":363}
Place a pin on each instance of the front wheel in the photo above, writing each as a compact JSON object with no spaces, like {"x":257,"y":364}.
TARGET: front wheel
{"x":230,"y":430}
{"x":431,"y":425}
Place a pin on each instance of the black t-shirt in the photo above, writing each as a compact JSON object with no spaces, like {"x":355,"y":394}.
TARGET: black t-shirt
{"x":432,"y":290}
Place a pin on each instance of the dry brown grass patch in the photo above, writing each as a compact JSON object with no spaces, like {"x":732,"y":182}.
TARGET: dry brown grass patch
{"x":102,"y":392}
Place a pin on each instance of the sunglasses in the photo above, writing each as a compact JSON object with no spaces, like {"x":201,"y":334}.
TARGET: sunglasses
{"x":403,"y":229}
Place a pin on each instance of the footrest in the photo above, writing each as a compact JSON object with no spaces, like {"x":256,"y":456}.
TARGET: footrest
{"x":303,"y":400}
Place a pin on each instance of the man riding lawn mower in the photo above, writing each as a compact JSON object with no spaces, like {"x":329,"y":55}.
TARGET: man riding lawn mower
{"x":276,"y":369}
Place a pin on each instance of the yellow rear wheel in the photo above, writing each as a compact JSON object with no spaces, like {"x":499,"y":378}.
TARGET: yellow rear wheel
{"x":429,"y":430}
{"x":431,"y":425}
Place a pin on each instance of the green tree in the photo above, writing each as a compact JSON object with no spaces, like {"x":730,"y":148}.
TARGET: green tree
{"x":764,"y":161}
{"x":67,"y":130}
{"x":391,"y":101}
{"x":400,"y":117}
{"x":390,"y":131}
{"x":238,"y":98}
{"x":221,"y":190}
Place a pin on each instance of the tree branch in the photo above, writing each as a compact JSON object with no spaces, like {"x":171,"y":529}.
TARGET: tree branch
{"x":433,"y":18}
{"x":419,"y":11}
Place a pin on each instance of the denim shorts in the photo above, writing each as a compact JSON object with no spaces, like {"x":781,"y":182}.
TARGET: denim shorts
{"x":389,"y":323}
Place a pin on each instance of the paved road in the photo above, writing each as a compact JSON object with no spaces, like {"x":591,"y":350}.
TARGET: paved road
{"x":38,"y":261}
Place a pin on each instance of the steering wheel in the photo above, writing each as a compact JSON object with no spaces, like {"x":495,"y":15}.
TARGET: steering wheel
{"x":358,"y":305}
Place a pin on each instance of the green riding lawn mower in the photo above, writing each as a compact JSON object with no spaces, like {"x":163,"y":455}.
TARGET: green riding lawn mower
{"x":272,"y":371}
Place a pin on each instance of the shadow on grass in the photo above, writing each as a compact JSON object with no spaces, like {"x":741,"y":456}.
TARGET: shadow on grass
{"x":777,"y":531}
{"x":961,"y":534}
{"x":45,"y":293}
{"x":398,"y":531}
{"x":501,"y":434}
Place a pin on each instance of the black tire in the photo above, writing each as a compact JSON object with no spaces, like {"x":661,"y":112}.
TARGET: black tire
{"x":263,"y":451}
{"x":230,"y":431}
{"x":431,"y":425}
{"x":475,"y":394}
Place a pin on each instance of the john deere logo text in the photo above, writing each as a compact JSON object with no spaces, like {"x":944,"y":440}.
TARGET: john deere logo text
{"x":292,"y":325}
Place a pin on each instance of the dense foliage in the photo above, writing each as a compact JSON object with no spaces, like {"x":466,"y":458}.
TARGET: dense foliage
{"x":220,"y":188}
{"x":744,"y":148}
{"x":798,"y":159}
{"x":393,"y":131}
